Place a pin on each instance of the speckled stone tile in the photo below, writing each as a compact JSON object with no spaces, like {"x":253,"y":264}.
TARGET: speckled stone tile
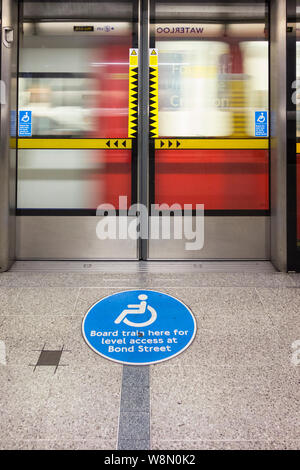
{"x":136,"y":375}
{"x":257,"y":420}
{"x":232,"y":348}
{"x":46,"y":301}
{"x":26,"y":335}
{"x":9,"y":300}
{"x":72,"y":444}
{"x":23,"y":396}
{"x":207,"y":279}
{"x":111,"y":279}
{"x":83,"y":404}
{"x":216,"y":403}
{"x":134,"y":444}
{"x":293,"y":361}
{"x":283,"y":307}
{"x":134,"y":425}
{"x":134,"y":422}
{"x":221,"y":279}
{"x":16,"y":444}
{"x":234,"y":387}
{"x":214,"y":279}
{"x":224,"y":445}
{"x":210,"y":386}
{"x":215,"y":381}
{"x":87,"y":297}
{"x":22,"y":279}
{"x":135,"y":399}
{"x":229,"y":308}
{"x":97,"y":280}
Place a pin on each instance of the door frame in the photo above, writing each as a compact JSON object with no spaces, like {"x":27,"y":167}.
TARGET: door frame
{"x":8,"y":157}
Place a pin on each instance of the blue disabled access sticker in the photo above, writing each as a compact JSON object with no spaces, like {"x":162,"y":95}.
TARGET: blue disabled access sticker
{"x":139,"y":327}
{"x":25,"y":123}
{"x":261,"y":124}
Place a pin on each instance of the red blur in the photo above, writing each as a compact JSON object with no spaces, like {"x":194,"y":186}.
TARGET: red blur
{"x":219,"y":179}
{"x":114,"y":178}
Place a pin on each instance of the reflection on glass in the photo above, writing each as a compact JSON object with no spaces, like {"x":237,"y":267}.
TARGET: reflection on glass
{"x":211,"y":88}
{"x":74,"y":79}
{"x":69,"y":82}
{"x":213,"y":76}
{"x":60,"y":106}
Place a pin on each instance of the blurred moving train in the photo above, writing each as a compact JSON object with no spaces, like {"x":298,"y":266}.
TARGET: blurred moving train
{"x":212,"y":79}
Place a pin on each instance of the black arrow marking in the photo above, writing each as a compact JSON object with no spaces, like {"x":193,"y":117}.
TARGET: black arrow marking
{"x":177,"y":143}
{"x":124,"y":143}
{"x":116,"y":143}
{"x":162,"y":143}
{"x":108,"y":143}
{"x":170,"y":143}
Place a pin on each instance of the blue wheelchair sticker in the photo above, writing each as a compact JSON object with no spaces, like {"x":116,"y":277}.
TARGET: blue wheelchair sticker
{"x":261,"y":124}
{"x":139,"y":327}
{"x":25,"y":123}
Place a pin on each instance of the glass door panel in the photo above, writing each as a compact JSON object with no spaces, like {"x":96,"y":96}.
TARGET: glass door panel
{"x":212,"y":86}
{"x":76,"y":155}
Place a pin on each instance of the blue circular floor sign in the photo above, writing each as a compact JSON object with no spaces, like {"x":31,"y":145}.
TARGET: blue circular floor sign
{"x":139,"y":327}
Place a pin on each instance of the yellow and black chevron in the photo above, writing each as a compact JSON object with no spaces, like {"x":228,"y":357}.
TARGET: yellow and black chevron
{"x":133,"y":94}
{"x":238,"y":103}
{"x":153,"y":93}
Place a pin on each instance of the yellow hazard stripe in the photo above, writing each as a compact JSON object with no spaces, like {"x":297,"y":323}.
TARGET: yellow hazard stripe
{"x":213,"y":144}
{"x":153,"y":93}
{"x":13,"y":142}
{"x":133,"y":102}
{"x":96,"y":144}
{"x":133,"y":93}
{"x":297,"y":148}
{"x":153,"y":102}
{"x":171,"y":144}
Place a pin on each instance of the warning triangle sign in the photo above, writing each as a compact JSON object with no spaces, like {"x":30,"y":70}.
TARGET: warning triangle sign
{"x":153,"y":52}
{"x":133,"y":52}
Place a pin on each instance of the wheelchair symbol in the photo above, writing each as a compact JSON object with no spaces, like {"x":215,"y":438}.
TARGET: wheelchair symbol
{"x":25,"y":117}
{"x":261,"y":119}
{"x":137,"y":309}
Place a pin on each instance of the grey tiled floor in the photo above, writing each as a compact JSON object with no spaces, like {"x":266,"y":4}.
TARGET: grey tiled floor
{"x":234,"y":387}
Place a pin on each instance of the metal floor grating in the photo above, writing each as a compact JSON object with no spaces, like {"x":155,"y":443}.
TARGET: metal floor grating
{"x":144,"y":266}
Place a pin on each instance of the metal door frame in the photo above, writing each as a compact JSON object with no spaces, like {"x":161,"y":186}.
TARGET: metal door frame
{"x":9,"y":39}
{"x":143,"y":134}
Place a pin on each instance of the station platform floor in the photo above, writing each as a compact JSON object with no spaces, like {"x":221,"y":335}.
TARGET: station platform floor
{"x":235,"y":387}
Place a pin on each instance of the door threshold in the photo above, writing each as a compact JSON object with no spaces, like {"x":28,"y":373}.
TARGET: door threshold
{"x":133,"y":267}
